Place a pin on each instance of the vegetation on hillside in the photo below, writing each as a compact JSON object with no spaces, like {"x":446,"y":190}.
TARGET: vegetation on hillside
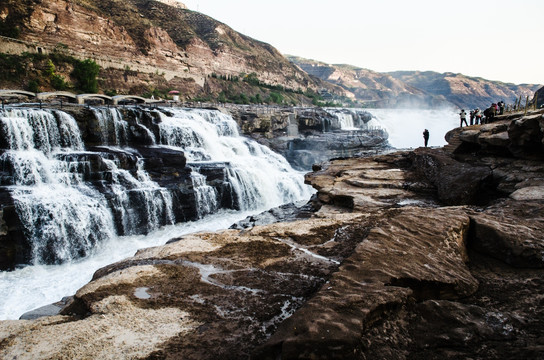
{"x":55,"y":71}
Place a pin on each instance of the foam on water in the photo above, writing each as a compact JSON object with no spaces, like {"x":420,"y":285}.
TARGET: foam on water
{"x":31,"y":287}
{"x":70,"y":223}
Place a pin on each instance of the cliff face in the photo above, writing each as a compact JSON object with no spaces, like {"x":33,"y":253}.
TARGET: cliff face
{"x":464,"y":91}
{"x":149,"y":37}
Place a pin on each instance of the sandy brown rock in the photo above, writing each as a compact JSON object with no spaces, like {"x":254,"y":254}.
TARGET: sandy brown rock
{"x":117,"y":330}
{"x":379,"y":272}
{"x":511,"y":232}
{"x":400,"y":261}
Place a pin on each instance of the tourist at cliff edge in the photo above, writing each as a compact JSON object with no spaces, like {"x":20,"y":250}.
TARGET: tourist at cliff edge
{"x":426,"y":137}
{"x":463,"y":116}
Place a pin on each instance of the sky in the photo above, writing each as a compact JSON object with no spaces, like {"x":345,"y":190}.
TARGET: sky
{"x":493,"y":39}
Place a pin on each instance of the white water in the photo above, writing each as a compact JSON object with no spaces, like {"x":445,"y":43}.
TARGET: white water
{"x":406,"y":126}
{"x":114,"y":128}
{"x":55,"y":205}
{"x":31,"y":287}
{"x":62,"y":217}
{"x":346,"y":121}
{"x":259,"y":176}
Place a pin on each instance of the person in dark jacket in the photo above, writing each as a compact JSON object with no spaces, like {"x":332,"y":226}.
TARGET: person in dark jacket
{"x":426,"y":137}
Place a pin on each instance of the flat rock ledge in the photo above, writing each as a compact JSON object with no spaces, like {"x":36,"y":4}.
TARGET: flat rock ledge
{"x":391,"y":265}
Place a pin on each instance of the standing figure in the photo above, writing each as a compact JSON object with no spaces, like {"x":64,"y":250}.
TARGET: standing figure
{"x":463,"y":116}
{"x":471,"y":117}
{"x":477,"y":116}
{"x":426,"y":137}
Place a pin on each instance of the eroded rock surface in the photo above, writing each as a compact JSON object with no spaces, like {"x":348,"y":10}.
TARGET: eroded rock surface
{"x":385,"y":268}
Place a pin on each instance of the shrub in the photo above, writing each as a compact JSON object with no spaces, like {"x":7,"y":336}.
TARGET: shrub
{"x":275,"y":97}
{"x":33,"y":86}
{"x":86,"y":73}
{"x":58,"y":82}
{"x":49,"y":68}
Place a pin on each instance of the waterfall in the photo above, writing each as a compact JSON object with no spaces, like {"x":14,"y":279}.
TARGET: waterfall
{"x":113,"y":128}
{"x":152,"y":169}
{"x":206,"y":196}
{"x":61,"y":217}
{"x":259,"y":177}
{"x":139,"y":203}
{"x":346,"y":121}
{"x":69,"y":199}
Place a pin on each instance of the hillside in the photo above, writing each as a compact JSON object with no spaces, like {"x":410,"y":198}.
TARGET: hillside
{"x":465,"y":91}
{"x":415,"y":88}
{"x":145,"y":45}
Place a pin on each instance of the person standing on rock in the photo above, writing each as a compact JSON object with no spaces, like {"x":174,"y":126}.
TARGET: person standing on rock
{"x":426,"y":137}
{"x":477,"y":116}
{"x":463,"y":116}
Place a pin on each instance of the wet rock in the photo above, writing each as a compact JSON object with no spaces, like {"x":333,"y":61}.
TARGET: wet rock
{"x":380,"y":271}
{"x":287,"y":212}
{"x":48,"y":310}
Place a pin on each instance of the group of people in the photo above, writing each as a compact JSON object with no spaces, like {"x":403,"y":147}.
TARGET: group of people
{"x":477,"y":116}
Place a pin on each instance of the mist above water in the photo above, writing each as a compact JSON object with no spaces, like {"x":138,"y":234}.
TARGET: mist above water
{"x":406,"y":126}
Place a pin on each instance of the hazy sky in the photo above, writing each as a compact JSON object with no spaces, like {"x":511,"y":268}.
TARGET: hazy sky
{"x":494,"y":39}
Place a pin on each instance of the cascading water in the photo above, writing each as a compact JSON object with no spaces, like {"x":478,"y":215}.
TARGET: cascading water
{"x":346,"y":121}
{"x":62,"y":218}
{"x":113,"y":128}
{"x":259,"y":177}
{"x":206,"y":196}
{"x":154,"y":203}
{"x":75,"y":202}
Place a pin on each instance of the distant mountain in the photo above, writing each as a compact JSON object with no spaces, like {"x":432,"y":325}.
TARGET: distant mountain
{"x":415,"y":88}
{"x":370,"y":87}
{"x":464,"y":91}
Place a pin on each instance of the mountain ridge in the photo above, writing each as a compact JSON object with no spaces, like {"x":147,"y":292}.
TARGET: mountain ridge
{"x":428,"y":88}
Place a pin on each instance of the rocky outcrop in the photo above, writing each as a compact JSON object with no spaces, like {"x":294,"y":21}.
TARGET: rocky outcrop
{"x":384,"y":268}
{"x":307,"y":136}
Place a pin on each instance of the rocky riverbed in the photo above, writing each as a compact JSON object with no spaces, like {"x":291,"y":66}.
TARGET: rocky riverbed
{"x":426,"y":254}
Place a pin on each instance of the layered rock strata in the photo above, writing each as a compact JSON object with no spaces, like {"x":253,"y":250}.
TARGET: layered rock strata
{"x":384,"y":269}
